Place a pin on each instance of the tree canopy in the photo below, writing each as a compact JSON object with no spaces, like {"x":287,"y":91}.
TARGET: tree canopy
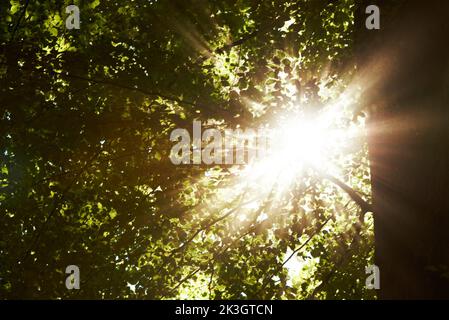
{"x":86,"y":178}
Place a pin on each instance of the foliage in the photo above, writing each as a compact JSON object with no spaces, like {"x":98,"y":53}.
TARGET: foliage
{"x":85,"y":175}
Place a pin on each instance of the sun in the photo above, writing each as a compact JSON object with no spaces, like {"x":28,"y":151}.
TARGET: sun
{"x":299,"y":142}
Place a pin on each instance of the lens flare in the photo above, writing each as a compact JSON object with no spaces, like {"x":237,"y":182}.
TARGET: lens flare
{"x":300,"y":142}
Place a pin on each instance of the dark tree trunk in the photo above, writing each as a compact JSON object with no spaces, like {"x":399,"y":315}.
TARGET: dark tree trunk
{"x":405,"y":67}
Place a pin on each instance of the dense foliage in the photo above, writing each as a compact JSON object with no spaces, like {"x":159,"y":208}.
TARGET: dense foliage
{"x":86,"y":178}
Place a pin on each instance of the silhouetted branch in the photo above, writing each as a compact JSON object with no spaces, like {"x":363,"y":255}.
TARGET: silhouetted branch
{"x":365,"y":206}
{"x":16,"y":27}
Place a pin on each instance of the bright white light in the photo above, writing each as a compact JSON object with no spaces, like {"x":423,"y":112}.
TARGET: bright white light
{"x":294,"y":144}
{"x":300,"y":142}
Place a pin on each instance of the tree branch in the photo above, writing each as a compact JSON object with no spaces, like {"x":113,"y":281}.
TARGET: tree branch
{"x":265,"y":282}
{"x":365,"y":206}
{"x":16,"y":27}
{"x":128,"y":87}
